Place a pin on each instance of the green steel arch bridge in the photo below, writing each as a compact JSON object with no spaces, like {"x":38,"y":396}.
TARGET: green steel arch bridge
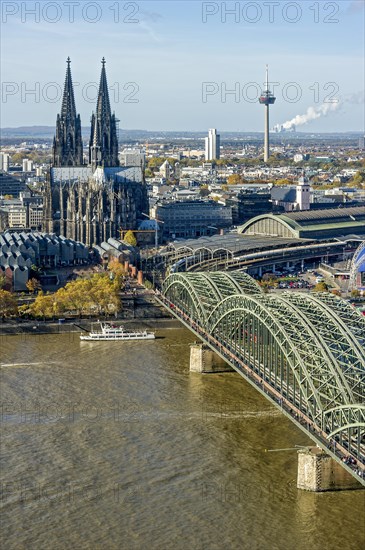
{"x":304,"y":352}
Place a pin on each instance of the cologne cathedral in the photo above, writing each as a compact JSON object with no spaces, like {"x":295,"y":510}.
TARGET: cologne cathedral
{"x":91,"y":202}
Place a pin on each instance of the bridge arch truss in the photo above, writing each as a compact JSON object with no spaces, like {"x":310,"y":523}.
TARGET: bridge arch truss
{"x":308,"y":348}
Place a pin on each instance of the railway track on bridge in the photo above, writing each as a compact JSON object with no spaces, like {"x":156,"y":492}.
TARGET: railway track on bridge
{"x":317,"y":380}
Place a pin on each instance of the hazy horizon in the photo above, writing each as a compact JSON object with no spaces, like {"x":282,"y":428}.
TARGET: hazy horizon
{"x":190,"y":64}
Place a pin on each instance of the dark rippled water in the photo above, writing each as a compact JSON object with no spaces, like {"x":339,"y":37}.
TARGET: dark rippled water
{"x":116,"y":446}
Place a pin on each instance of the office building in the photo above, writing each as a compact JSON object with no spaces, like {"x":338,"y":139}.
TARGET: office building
{"x":4,"y":162}
{"x":212,"y":145}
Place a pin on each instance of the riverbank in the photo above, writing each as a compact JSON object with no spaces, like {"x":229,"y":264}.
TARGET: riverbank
{"x":140,"y":310}
{"x":13,"y":328}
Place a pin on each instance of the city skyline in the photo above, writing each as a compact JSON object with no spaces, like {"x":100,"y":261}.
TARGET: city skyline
{"x":174,"y":66}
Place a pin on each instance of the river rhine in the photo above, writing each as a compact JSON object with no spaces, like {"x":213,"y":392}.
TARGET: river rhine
{"x":117,"y":446}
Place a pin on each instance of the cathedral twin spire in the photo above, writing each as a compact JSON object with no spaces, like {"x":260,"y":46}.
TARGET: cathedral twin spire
{"x":103,"y":145}
{"x":67,"y":144}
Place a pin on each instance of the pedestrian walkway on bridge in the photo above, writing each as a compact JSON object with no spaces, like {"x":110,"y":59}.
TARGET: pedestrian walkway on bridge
{"x":304,"y":351}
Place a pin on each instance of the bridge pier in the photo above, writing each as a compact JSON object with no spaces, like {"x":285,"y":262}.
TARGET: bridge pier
{"x":317,"y":471}
{"x":203,"y":359}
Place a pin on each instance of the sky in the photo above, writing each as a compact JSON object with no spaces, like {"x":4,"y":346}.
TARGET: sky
{"x":186,"y":65}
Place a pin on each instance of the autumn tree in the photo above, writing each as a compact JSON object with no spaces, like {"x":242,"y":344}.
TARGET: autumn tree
{"x":2,"y":281}
{"x":8,"y":304}
{"x":77,"y":296}
{"x":97,"y":295}
{"x":33,"y":285}
{"x":130,"y":238}
{"x":104,"y":294}
{"x":358,"y":179}
{"x":117,"y":269}
{"x":283,"y":181}
{"x":155,"y":162}
{"x":321,"y":287}
{"x":234,"y":179}
{"x":42,"y":306}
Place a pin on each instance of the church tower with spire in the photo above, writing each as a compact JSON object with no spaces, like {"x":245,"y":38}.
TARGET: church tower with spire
{"x":103,"y":146}
{"x":67,"y":144}
{"x":92,"y":202}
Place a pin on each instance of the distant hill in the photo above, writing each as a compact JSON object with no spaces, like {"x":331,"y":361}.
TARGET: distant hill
{"x":31,"y":131}
{"x":44,"y":131}
{"x":47,"y":132}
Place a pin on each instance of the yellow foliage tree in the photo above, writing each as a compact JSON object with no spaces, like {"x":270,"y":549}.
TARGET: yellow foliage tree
{"x":117,"y":269}
{"x":42,"y":306}
{"x":2,"y":281}
{"x":33,"y":285}
{"x":8,"y":304}
{"x":321,"y":287}
{"x":130,"y":238}
{"x":97,"y":295}
{"x":77,"y":296}
{"x":234,"y":179}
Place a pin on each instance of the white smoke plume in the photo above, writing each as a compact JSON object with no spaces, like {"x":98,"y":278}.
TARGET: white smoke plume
{"x":323,"y":110}
{"x":312,"y":114}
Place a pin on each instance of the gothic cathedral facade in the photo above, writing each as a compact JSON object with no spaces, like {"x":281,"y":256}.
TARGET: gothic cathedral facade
{"x":91,"y":202}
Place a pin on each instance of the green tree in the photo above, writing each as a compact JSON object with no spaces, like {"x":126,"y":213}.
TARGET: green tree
{"x":148,"y":173}
{"x":17,"y":158}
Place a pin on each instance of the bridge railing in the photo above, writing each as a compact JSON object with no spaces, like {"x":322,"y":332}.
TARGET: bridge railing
{"x":343,"y":451}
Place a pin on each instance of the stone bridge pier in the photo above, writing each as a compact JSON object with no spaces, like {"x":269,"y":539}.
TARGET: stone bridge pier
{"x":317,"y":471}
{"x":205,"y":360}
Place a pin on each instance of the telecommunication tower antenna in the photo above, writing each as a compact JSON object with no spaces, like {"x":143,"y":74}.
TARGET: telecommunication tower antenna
{"x":267,"y":99}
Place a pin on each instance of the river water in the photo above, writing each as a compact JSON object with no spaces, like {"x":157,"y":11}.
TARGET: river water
{"x":117,"y":446}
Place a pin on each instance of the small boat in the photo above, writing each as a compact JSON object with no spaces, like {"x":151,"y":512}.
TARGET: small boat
{"x":112,"y":332}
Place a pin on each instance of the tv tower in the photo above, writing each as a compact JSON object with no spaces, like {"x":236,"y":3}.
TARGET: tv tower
{"x":267,"y":99}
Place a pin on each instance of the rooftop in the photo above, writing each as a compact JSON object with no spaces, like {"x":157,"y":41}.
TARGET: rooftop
{"x":236,"y":243}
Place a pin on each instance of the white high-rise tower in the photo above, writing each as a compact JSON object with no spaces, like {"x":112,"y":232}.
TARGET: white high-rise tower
{"x":212,"y":145}
{"x":303,"y":194}
{"x":4,"y":161}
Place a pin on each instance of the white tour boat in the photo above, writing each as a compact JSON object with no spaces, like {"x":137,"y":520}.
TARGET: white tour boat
{"x":112,"y":332}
